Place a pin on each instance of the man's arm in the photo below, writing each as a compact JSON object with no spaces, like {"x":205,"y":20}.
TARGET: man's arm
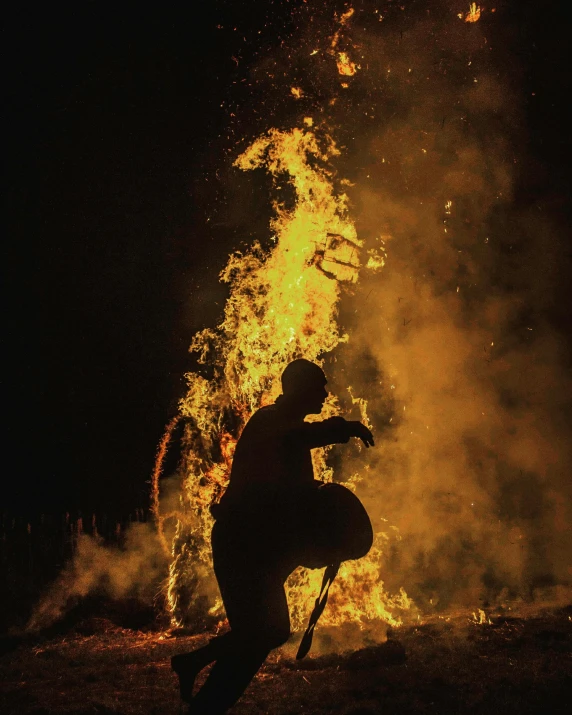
{"x":334,"y":430}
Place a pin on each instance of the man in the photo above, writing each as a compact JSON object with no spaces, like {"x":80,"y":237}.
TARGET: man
{"x":259,"y":535}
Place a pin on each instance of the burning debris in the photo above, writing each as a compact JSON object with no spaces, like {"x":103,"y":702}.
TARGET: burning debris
{"x":345,"y":66}
{"x":473,"y":15}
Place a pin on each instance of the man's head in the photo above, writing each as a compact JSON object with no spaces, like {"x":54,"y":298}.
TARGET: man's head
{"x":304,"y":384}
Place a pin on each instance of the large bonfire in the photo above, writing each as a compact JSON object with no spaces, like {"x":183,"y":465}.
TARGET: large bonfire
{"x":441,"y":347}
{"x":283,"y":305}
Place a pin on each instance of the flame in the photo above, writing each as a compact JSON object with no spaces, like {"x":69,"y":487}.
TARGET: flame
{"x":342,"y":21}
{"x":156,"y":475}
{"x":346,"y":15}
{"x":345,"y":66}
{"x":282,"y":305}
{"x":481,"y":618}
{"x":474,"y":13}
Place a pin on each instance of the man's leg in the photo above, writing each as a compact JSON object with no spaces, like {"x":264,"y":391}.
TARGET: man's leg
{"x":229,"y":678}
{"x":188,"y":665}
{"x":263,"y":624}
{"x":252,"y":590}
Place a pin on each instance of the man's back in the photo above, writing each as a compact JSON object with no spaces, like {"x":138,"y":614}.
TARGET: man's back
{"x":273,"y":456}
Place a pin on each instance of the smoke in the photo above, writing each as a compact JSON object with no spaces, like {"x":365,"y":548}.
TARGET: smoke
{"x":454,"y":342}
{"x":134,"y":571}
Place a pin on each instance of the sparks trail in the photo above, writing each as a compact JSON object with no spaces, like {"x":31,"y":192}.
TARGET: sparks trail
{"x":162,"y":450}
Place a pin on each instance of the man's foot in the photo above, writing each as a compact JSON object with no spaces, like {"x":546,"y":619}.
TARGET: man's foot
{"x":187,"y":666}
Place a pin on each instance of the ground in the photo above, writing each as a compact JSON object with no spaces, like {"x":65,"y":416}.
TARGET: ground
{"x":443,"y":665}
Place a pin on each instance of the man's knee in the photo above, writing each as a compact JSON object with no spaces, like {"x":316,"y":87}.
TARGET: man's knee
{"x":266,"y":639}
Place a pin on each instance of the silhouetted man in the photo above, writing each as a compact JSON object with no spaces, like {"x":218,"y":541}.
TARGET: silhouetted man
{"x":259,"y":535}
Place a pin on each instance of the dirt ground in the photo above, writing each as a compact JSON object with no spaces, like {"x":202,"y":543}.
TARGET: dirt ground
{"x":445,"y":665}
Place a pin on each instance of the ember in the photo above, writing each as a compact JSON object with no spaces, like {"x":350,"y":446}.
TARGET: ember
{"x":345,"y":65}
{"x":474,"y":13}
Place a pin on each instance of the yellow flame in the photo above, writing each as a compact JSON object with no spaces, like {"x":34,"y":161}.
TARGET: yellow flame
{"x":480,"y":617}
{"x":346,"y":16}
{"x":345,"y":66}
{"x":474,"y":13}
{"x":282,"y":305}
{"x":343,"y":20}
{"x":156,"y":475}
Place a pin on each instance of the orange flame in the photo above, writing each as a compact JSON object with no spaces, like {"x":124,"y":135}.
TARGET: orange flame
{"x":474,"y":13}
{"x":282,"y":305}
{"x":345,"y":66}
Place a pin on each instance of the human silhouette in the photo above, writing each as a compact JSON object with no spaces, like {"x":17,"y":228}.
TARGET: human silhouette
{"x":262,"y":533}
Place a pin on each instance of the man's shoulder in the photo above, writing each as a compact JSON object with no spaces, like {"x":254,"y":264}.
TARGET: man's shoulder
{"x":264,"y":413}
{"x":263,"y":416}
{"x":271,"y":419}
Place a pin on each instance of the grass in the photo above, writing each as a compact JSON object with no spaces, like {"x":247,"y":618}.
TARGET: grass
{"x":513,"y":665}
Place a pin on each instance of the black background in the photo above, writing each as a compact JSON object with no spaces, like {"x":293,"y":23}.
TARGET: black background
{"x":113,"y":119}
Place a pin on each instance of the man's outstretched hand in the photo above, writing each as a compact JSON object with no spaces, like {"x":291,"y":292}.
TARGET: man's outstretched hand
{"x":361,"y":431}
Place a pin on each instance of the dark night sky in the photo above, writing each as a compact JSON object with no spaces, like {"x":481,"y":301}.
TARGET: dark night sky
{"x":115,"y":131}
